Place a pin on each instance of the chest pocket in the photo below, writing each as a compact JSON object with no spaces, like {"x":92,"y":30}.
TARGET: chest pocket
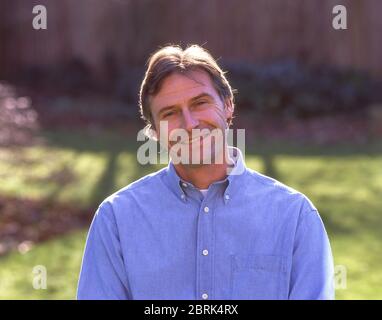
{"x":258,"y":277}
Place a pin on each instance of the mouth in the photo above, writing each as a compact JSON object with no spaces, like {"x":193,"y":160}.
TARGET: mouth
{"x":194,"y":140}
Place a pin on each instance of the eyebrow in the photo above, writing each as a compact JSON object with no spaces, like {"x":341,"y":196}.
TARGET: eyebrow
{"x":199,"y":96}
{"x":202,"y":95}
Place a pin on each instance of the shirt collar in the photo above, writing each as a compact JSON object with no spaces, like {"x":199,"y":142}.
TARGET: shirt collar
{"x":177,"y":184}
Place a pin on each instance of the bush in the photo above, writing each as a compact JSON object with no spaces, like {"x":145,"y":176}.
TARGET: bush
{"x":18,"y":120}
{"x":290,"y":89}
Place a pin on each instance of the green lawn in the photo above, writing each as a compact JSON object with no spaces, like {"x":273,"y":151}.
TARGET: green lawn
{"x":344,"y":182}
{"x":62,"y":260}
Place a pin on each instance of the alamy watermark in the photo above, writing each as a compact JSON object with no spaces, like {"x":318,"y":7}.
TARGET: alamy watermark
{"x":201,"y":146}
{"x":339,"y":21}
{"x":40,"y":21}
{"x":340,"y":277}
{"x":40,"y":277}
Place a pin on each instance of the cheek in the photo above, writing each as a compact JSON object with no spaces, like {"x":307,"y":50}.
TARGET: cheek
{"x":172,"y":130}
{"x":215,"y":115}
{"x":168,"y":125}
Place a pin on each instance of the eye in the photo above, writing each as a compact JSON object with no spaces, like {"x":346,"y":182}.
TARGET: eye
{"x":201,"y":102}
{"x":168,"y":114}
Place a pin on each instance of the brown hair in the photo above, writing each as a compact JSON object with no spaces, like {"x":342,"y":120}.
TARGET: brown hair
{"x":170,"y":59}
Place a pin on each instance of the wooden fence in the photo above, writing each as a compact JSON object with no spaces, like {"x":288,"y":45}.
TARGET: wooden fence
{"x":126,"y":31}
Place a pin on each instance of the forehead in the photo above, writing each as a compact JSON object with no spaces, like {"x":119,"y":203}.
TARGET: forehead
{"x":179,"y":88}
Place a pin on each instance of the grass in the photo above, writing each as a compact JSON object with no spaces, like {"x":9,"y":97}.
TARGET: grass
{"x":344,"y":182}
{"x":70,"y":168}
{"x":61,"y":258}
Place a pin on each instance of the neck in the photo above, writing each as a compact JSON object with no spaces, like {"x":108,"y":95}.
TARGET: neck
{"x":202,"y":176}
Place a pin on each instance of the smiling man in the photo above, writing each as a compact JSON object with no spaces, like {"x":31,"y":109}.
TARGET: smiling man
{"x":206,"y":226}
{"x":195,"y":117}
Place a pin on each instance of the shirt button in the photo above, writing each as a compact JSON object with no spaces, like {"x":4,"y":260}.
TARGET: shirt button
{"x":206,"y":209}
{"x":205,"y":252}
{"x":182,"y":196}
{"x":227,"y":196}
{"x":184,"y":184}
{"x":205,"y":296}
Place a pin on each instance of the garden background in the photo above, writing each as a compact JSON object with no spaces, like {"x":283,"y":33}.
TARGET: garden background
{"x":309,"y":97}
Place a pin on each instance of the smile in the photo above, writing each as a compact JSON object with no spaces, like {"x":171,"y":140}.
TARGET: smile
{"x":190,"y":141}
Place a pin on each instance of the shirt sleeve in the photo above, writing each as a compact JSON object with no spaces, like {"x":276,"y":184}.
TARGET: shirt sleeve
{"x":103,"y":274}
{"x":312,"y":275}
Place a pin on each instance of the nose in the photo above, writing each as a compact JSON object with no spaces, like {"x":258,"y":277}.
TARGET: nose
{"x":189,"y":120}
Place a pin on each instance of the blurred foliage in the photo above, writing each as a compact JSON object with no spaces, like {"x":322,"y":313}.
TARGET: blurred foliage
{"x":18,"y":120}
{"x":280,"y":88}
{"x":76,"y":78}
{"x":73,"y":76}
{"x":288,"y":88}
{"x":344,"y":182}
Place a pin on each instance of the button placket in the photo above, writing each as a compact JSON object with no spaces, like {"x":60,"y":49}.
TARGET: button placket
{"x":205,"y":238}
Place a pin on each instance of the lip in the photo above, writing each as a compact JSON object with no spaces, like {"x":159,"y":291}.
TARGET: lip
{"x":198,"y":138}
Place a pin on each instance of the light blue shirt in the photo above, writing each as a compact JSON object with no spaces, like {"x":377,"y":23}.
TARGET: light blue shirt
{"x":250,"y":237}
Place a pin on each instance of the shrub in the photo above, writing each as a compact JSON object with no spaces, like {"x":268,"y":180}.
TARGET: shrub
{"x":291,"y":89}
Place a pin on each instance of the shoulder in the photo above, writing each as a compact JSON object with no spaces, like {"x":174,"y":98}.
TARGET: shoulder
{"x":277,"y":192}
{"x":140,"y":189}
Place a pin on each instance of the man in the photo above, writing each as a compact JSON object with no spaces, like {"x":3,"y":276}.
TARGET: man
{"x":209,"y":228}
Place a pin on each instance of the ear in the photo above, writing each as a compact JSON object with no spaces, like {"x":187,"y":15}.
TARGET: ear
{"x":150,"y":132}
{"x":228,"y":108}
{"x":154,"y":135}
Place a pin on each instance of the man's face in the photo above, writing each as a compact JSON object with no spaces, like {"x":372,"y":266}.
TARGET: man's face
{"x":187,"y":102}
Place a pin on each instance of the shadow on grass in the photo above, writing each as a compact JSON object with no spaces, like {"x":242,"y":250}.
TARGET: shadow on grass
{"x":107,"y":180}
